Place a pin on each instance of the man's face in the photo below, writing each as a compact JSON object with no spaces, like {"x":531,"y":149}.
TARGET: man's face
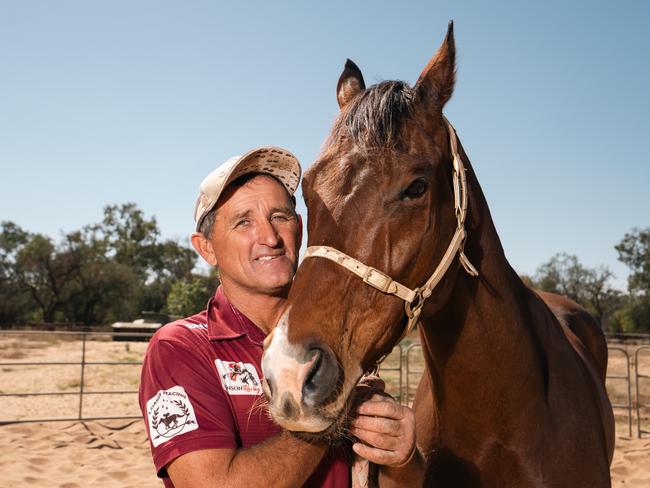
{"x":256,"y":237}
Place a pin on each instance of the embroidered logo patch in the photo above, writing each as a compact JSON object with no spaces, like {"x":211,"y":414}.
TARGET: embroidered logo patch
{"x":239,"y":378}
{"x":170,"y":413}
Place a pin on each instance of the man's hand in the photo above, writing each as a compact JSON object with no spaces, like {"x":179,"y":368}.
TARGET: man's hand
{"x":386,"y":434}
{"x":386,"y":431}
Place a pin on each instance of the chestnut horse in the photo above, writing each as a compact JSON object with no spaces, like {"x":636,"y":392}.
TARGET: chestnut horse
{"x":513,"y":394}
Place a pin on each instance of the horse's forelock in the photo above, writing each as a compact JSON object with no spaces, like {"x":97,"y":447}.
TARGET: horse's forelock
{"x":376,"y":116}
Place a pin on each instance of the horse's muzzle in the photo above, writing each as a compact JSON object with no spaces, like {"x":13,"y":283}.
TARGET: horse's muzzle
{"x":299,"y":382}
{"x":323,"y":378}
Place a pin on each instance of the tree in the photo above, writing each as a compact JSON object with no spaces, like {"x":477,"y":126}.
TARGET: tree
{"x":106,"y":271}
{"x":590,"y":287}
{"x":189,"y":297}
{"x":47,"y":273}
{"x":632,"y":317}
{"x":173,"y":260}
{"x":634,"y":251}
{"x":128,"y":237}
{"x":105,"y":291}
{"x":15,"y":303}
{"x":131,"y":239}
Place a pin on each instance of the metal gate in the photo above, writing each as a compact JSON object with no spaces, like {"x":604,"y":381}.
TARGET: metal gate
{"x":641,"y":377}
{"x":83,"y":363}
{"x":405,"y":364}
{"x":626,"y":379}
{"x":412,"y":371}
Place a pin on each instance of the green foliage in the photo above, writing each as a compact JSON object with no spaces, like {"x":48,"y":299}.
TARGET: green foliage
{"x":590,"y":287}
{"x":189,"y":297}
{"x":46,"y":272}
{"x":105,"y":272}
{"x":15,"y":304}
{"x":632,"y":317}
{"x":119,"y":267}
{"x":129,"y":238}
{"x":634,"y":251}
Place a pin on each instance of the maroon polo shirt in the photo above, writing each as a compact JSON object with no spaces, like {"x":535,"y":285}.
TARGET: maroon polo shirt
{"x":200,"y":388}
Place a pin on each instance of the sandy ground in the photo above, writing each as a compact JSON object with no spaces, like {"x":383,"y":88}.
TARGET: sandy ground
{"x":76,"y":454}
{"x":631,"y":464}
{"x":115,"y":453}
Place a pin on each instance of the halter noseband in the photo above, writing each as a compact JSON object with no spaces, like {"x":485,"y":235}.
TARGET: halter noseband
{"x":414,"y":299}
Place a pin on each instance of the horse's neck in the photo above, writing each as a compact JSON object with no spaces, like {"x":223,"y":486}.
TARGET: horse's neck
{"x":484,"y":336}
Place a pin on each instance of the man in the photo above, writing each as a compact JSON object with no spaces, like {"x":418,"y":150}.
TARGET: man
{"x":200,"y":390}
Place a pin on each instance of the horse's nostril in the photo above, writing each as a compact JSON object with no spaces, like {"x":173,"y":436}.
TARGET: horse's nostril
{"x":290,"y":408}
{"x":317,"y":358}
{"x":321,"y":379}
{"x":268,"y":381}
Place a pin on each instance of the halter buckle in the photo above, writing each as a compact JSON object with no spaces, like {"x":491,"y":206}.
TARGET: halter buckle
{"x":413,"y":308}
{"x":377,"y":279}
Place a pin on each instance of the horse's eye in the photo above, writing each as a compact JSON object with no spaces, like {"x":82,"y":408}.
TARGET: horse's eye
{"x":415,"y":190}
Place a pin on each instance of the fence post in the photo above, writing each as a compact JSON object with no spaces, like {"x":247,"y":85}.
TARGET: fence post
{"x":629,"y":396}
{"x":402,"y":400}
{"x":408,"y":372}
{"x":81,"y":380}
{"x":640,"y":407}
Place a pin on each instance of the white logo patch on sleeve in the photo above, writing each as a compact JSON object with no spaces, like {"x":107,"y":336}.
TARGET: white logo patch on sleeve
{"x":196,"y":326}
{"x":170,"y":413}
{"x":239,"y":378}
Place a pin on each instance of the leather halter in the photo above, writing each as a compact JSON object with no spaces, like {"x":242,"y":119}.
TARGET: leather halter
{"x":414,"y":299}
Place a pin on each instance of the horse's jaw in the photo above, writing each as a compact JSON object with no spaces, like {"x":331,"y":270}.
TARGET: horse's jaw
{"x":286,"y":367}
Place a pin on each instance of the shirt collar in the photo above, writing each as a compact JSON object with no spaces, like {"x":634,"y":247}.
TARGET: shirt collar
{"x":226,"y":322}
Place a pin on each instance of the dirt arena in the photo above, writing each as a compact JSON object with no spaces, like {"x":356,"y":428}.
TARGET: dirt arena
{"x":115,"y":453}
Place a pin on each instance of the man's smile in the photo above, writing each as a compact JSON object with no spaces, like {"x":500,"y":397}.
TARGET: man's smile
{"x":269,"y":257}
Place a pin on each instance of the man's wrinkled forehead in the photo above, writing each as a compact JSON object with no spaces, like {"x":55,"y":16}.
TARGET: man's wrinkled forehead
{"x":246,"y":181}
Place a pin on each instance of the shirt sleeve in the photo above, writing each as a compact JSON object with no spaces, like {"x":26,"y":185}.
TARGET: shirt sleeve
{"x":183,"y":406}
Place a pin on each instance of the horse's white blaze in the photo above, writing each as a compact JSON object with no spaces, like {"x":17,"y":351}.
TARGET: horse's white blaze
{"x":282,"y":362}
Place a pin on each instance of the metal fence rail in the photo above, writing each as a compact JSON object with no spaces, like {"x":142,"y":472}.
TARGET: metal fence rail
{"x":83,"y":363}
{"x":627,"y":379}
{"x":639,"y":377}
{"x":410,"y":371}
{"x":408,"y":357}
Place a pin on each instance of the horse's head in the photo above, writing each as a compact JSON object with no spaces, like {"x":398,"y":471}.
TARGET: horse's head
{"x":382,"y":192}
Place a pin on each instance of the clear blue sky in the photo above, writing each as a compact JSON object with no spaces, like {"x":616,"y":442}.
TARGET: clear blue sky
{"x":112,"y":102}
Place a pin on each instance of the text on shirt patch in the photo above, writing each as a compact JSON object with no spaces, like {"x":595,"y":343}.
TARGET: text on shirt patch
{"x":239,"y":378}
{"x":170,"y":413}
{"x":196,"y":326}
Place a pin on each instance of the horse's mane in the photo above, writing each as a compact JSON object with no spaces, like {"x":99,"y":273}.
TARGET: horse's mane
{"x":375,"y":117}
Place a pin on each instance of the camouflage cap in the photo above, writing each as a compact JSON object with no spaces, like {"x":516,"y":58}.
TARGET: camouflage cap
{"x":274,"y":161}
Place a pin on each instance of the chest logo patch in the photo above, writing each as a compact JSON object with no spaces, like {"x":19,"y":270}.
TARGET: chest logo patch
{"x":239,"y":378}
{"x":170,"y":413}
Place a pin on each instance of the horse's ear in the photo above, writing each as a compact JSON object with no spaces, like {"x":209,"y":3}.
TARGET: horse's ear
{"x":350,"y":84}
{"x":438,"y":77}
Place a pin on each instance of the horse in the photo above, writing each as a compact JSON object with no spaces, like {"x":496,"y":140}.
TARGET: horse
{"x":399,"y":234}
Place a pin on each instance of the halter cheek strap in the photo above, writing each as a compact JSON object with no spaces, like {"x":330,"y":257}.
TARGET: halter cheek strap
{"x":414,"y":299}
